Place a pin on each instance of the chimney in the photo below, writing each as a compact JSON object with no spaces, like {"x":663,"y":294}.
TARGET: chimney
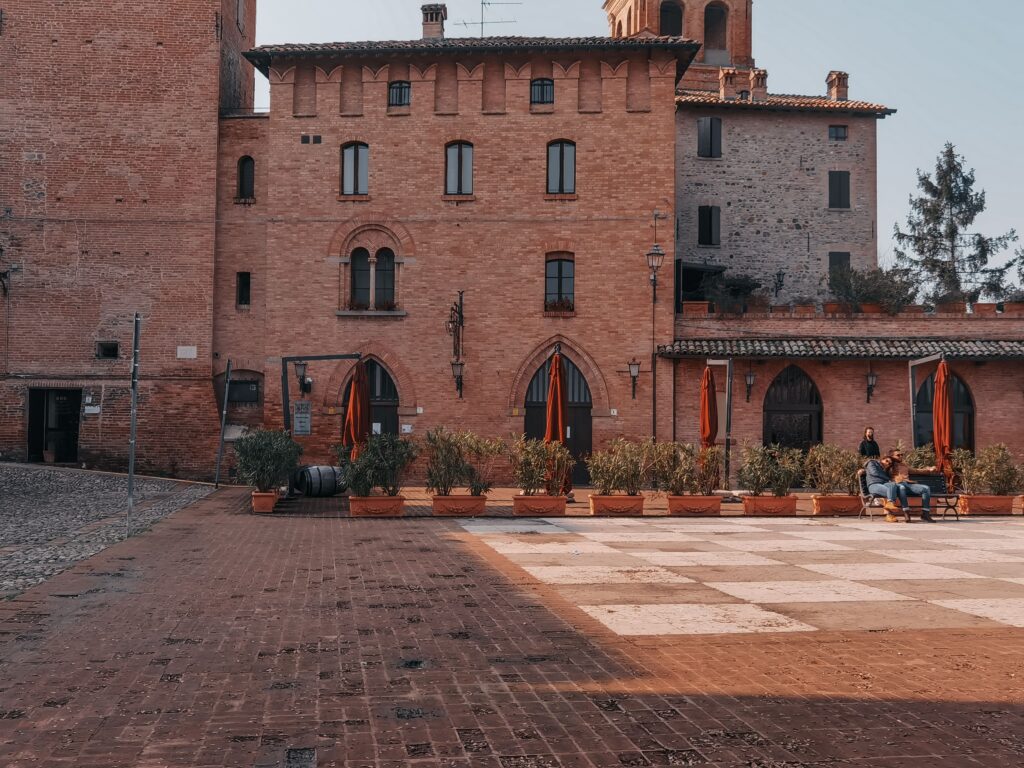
{"x":729,"y":84}
{"x":838,"y":86}
{"x":433,"y":20}
{"x":759,"y":85}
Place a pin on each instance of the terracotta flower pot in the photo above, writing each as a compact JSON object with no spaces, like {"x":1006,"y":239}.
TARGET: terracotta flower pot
{"x":871,"y":308}
{"x":912,"y":309}
{"x":459,"y":506}
{"x":694,"y":506}
{"x":780,"y":309}
{"x":769,"y":506}
{"x":986,"y":505}
{"x":836,"y":505}
{"x":951,"y":308}
{"x":49,"y":457}
{"x":617,"y":506}
{"x":376,"y":506}
{"x":696,"y":308}
{"x":987,"y":310}
{"x":538,"y":506}
{"x":1013,"y":307}
{"x":832,"y":307}
{"x":804,"y":310}
{"x":263,"y":503}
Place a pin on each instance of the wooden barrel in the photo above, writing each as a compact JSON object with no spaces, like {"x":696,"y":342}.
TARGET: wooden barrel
{"x":321,"y":482}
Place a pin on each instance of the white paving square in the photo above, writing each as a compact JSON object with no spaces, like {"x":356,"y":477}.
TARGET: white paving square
{"x":843,"y":534}
{"x":599,"y":574}
{"x":887,"y":571}
{"x":1014,"y":581}
{"x":805,"y":592}
{"x":1008,"y":611}
{"x":950,"y":556}
{"x":483,"y":529}
{"x":628,"y":537}
{"x":695,"y":559}
{"x":578,"y":547}
{"x":709,"y":528}
{"x":779,"y":545}
{"x":690,"y":619}
{"x":969,"y":542}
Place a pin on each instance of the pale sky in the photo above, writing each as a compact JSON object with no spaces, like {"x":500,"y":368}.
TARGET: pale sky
{"x":946,"y":66}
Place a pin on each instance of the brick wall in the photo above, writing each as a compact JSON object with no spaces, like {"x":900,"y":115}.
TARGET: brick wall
{"x":771,"y":184}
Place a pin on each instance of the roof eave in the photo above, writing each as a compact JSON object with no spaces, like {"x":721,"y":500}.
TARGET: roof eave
{"x":881,"y":113}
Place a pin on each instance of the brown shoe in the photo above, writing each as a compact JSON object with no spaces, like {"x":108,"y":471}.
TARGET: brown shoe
{"x":891,"y":518}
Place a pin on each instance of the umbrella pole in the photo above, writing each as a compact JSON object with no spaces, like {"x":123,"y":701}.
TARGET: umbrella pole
{"x":728,"y":424}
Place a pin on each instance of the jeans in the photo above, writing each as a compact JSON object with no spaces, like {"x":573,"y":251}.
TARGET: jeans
{"x":888,"y":490}
{"x":916,"y":489}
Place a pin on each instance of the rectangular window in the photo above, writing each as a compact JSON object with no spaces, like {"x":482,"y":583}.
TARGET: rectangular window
{"x":399,"y":93}
{"x":560,"y":285}
{"x":709,"y":137}
{"x":838,"y":262}
{"x":244,"y":392}
{"x":459,"y":169}
{"x":838,"y":189}
{"x":108,"y":350}
{"x":542,"y":91}
{"x":243,"y":287}
{"x":355,"y":169}
{"x":561,"y":168}
{"x":709,"y":225}
{"x":837,"y":132}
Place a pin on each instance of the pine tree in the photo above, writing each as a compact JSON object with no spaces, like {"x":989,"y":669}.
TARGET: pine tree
{"x":950,"y":261}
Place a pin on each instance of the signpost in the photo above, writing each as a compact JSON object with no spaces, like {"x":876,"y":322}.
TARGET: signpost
{"x":223,"y":424}
{"x":132,"y":429}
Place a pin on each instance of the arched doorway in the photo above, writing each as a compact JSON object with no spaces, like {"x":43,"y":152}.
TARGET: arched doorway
{"x":793,"y":411}
{"x":383,"y":399}
{"x":580,"y":440}
{"x":963,"y":413}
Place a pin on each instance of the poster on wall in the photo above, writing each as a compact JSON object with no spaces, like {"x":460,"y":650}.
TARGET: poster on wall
{"x":302,"y":418}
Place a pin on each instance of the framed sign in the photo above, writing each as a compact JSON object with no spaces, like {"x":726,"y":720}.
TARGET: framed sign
{"x":302,"y":418}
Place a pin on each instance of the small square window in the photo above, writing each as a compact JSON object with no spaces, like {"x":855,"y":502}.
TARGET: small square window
{"x":244,"y":392}
{"x":838,"y":133}
{"x":108,"y":350}
{"x":318,"y":140}
{"x":399,"y":93}
{"x":542,"y":91}
{"x":305,"y":139}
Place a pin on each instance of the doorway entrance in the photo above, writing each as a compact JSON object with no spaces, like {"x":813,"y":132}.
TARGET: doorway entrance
{"x":53,"y":419}
{"x":793,"y":411}
{"x":580,"y":438}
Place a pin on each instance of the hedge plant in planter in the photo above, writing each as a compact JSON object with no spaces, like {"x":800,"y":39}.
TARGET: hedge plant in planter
{"x":690,"y":476}
{"x":266,"y":459}
{"x":447,"y":468}
{"x":833,"y":472}
{"x":382,"y":464}
{"x":989,"y":481}
{"x":623,"y":468}
{"x":538,"y":466}
{"x":482,"y":458}
{"x":770,"y":468}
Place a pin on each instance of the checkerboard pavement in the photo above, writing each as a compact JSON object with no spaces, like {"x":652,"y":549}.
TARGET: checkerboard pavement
{"x":660,"y":576}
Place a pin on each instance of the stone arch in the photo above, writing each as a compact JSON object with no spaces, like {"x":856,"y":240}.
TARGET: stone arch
{"x":334,"y":393}
{"x":671,"y":15}
{"x":964,"y":411}
{"x":716,"y":26}
{"x":380,"y":233}
{"x":793,"y":410}
{"x":581,"y":359}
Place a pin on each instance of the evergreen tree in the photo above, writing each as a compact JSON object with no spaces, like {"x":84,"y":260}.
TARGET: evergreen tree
{"x":948,"y":259}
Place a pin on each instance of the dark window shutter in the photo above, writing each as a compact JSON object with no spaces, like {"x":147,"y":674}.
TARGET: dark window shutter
{"x":704,"y":225}
{"x":716,"y":137}
{"x":704,"y":137}
{"x":716,"y":225}
{"x":838,"y":262}
{"x":839,"y":189}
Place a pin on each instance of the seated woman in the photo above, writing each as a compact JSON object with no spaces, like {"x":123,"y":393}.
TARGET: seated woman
{"x":904,"y":486}
{"x":881,"y":484}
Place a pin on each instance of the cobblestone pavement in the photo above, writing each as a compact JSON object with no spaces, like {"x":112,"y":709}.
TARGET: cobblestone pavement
{"x":222,"y":639}
{"x":51,"y":518}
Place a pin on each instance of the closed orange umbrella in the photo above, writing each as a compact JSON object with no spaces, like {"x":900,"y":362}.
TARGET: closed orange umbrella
{"x":356,"y":429}
{"x":555,"y":430}
{"x":942,"y":418}
{"x":708,"y":409}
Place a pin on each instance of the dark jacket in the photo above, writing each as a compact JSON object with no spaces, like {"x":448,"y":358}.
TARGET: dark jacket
{"x":869,"y":449}
{"x":876,"y":474}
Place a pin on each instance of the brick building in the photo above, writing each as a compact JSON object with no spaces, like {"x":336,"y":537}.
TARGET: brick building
{"x":388,"y":180}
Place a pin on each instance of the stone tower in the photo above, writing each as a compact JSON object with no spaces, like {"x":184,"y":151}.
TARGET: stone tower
{"x":722,"y":27}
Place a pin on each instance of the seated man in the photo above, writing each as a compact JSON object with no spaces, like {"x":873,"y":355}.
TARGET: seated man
{"x":904,"y":486}
{"x":877,"y":472}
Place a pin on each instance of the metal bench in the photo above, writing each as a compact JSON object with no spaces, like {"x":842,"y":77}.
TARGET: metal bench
{"x":941,"y":496}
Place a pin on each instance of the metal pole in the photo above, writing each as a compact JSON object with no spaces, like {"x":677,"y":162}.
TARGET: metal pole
{"x":654,"y":356}
{"x":285,"y":405}
{"x":134,"y":420}
{"x":223,"y":424}
{"x":728,"y":422}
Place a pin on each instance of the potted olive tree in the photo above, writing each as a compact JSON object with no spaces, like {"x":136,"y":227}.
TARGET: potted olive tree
{"x":770,"y":468}
{"x":690,"y":476}
{"x":266,"y":459}
{"x":382,"y":464}
{"x":538,"y":466}
{"x":832,"y":471}
{"x":989,"y":481}
{"x":482,"y":458}
{"x":619,"y":474}
{"x":447,"y":468}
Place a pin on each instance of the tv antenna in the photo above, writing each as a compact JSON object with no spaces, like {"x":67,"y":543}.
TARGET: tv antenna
{"x":484,"y":5}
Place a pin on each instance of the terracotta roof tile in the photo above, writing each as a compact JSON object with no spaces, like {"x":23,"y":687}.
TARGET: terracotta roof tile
{"x":849,"y":349}
{"x":261,"y":56}
{"x":780,"y":101}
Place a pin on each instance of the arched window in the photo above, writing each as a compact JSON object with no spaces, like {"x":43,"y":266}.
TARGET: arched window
{"x":458,"y":176}
{"x":399,"y":93}
{"x":384,"y":280}
{"x":355,"y":169}
{"x":560,"y":283}
{"x":383,"y":399}
{"x":963,"y":413}
{"x":542,"y":91}
{"x":671,"y":22}
{"x":561,"y":168}
{"x":716,"y":23}
{"x":246,"y":179}
{"x":579,"y":439}
{"x":618,"y":29}
{"x":360,"y":299}
{"x":793,"y":411}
